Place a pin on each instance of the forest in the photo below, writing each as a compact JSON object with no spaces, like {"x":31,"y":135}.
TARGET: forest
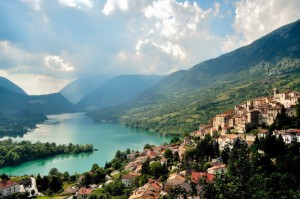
{"x":14,"y":153}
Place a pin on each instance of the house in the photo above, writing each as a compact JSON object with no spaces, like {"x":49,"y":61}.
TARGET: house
{"x":187,"y":140}
{"x":151,"y":190}
{"x":229,"y":140}
{"x":289,"y":135}
{"x":263,"y":133}
{"x":256,"y":112}
{"x":131,"y":166}
{"x":181,"y":151}
{"x":84,"y":193}
{"x":196,"y":176}
{"x":138,"y":168}
{"x":8,"y":188}
{"x":163,"y":161}
{"x":172,"y":181}
{"x":217,"y":169}
{"x":127,"y":180}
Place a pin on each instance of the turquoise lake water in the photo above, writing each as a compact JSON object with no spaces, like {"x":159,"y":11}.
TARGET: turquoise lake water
{"x":76,"y":128}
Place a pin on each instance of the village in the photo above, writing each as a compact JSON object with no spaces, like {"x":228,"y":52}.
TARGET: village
{"x":225,"y":130}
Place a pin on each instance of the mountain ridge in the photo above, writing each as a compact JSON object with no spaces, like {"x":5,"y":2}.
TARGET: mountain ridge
{"x":7,"y":84}
{"x":117,"y":90}
{"x":184,"y":99}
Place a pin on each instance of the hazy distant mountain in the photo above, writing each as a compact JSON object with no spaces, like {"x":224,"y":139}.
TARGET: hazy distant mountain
{"x":117,"y":90}
{"x":5,"y":83}
{"x":184,"y":99}
{"x":79,"y":88}
{"x":12,"y":102}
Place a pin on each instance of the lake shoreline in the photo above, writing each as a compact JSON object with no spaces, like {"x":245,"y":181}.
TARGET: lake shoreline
{"x":76,"y":128}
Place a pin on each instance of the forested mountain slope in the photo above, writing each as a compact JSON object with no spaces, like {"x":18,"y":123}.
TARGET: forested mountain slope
{"x":184,"y":99}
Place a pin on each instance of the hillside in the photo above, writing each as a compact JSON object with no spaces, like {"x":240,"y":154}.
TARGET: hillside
{"x":7,"y":84}
{"x":117,"y":90}
{"x":184,"y":99}
{"x":79,"y":88}
{"x":12,"y":102}
{"x":19,"y":112}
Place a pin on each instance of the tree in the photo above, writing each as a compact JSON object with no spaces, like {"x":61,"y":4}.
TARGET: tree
{"x":99,"y":176}
{"x":55,"y":183}
{"x":168,"y":154}
{"x":127,"y":151}
{"x":147,"y":146}
{"x":54,"y":171}
{"x":174,"y":140}
{"x":146,"y":167}
{"x":115,"y":188}
{"x":225,"y":154}
{"x":95,"y":167}
{"x":65,"y":176}
{"x":156,"y":169}
{"x":87,"y":179}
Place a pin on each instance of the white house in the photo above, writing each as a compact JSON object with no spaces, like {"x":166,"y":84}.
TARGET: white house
{"x":229,"y":140}
{"x":127,"y":180}
{"x":8,"y":188}
{"x":289,"y":135}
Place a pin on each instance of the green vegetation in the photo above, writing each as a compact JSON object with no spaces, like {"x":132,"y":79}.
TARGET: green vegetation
{"x":14,"y":153}
{"x":183,"y":111}
{"x":19,"y":123}
{"x":54,"y":182}
{"x":253,"y":175}
{"x":183,"y":100}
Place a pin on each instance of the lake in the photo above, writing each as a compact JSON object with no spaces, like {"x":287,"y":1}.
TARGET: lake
{"x":76,"y":128}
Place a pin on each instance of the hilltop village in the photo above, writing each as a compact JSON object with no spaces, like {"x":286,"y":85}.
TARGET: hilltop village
{"x":249,"y":152}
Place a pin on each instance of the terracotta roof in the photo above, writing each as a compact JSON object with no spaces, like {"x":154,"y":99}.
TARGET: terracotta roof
{"x":84,"y":191}
{"x":154,"y":183}
{"x":146,"y":192}
{"x":135,"y":174}
{"x":264,"y":131}
{"x":198,"y":175}
{"x":6,"y":184}
{"x":127,"y":176}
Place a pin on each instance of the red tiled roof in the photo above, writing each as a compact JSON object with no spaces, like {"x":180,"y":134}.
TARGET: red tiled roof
{"x":6,"y":184}
{"x":264,"y":131}
{"x":198,"y":175}
{"x":127,"y":176}
{"x":156,"y":186}
{"x":135,"y":174}
{"x":84,"y":191}
{"x":293,"y":130}
{"x":154,"y":183}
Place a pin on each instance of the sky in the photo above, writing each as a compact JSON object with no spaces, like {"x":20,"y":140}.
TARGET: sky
{"x":45,"y":44}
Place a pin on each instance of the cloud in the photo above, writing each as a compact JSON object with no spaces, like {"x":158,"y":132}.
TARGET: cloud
{"x":80,"y":4}
{"x":13,"y":57}
{"x":256,"y":18}
{"x":67,"y":39}
{"x":56,"y":63}
{"x":111,"y":5}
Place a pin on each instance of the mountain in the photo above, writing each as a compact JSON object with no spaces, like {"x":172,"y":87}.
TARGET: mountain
{"x":7,"y":84}
{"x":12,"y":102}
{"x":184,"y":99}
{"x":117,"y":90}
{"x":79,"y":88}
